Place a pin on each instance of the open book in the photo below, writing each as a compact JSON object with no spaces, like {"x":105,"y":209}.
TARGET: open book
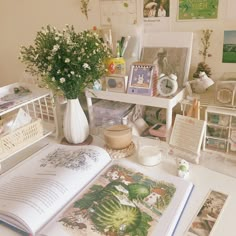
{"x":69,"y":190}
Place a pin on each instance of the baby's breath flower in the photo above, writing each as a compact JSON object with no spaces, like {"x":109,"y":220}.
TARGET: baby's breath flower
{"x":55,"y":47}
{"x":62,"y":80}
{"x":64,"y":59}
{"x":86,"y":66}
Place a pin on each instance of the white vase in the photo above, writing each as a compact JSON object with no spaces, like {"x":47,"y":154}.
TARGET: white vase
{"x":75,"y":123}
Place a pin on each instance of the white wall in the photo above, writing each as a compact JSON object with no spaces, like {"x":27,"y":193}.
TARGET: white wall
{"x":20,"y":20}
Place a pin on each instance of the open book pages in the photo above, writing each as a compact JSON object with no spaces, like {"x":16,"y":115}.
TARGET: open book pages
{"x":69,"y":190}
{"x":33,"y":192}
{"x":125,"y":199}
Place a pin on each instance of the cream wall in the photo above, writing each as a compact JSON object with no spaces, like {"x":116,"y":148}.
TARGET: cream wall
{"x":20,"y":20}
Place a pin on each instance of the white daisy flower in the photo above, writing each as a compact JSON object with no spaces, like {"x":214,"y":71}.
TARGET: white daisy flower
{"x":55,"y":48}
{"x":62,"y":80}
{"x":86,"y":66}
{"x":67,"y":60}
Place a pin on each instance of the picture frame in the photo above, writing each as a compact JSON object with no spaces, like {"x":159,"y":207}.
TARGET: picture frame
{"x":170,"y":51}
{"x":142,"y":79}
{"x":116,"y":83}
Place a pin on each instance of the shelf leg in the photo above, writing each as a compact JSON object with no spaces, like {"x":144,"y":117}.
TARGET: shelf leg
{"x":168,"y":119}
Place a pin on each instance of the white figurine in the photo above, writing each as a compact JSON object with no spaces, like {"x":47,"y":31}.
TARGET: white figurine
{"x":183,"y":168}
{"x":97,"y":85}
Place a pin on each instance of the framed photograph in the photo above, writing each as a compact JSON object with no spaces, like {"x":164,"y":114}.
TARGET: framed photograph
{"x":152,"y":9}
{"x":170,"y":52}
{"x":116,"y":83}
{"x":200,"y":9}
{"x":142,"y":79}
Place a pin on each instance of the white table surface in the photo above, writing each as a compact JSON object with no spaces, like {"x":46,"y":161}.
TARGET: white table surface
{"x":204,"y":180}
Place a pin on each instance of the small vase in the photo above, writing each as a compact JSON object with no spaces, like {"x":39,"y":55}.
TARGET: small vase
{"x":75,"y":123}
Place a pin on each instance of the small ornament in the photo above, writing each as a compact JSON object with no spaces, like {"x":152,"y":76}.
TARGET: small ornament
{"x":97,"y":85}
{"x":183,"y":168}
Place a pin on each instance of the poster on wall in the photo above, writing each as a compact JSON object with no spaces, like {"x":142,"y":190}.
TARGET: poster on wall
{"x":229,"y":47}
{"x":155,"y":10}
{"x":197,"y":9}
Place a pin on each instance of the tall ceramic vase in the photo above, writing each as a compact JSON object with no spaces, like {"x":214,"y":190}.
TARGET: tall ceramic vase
{"x":75,"y":123}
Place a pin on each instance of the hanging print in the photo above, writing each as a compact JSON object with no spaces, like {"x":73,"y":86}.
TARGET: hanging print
{"x":198,"y":9}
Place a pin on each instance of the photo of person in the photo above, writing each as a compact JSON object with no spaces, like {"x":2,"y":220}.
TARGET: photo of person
{"x":156,"y":8}
{"x":168,"y":60}
{"x":161,"y":11}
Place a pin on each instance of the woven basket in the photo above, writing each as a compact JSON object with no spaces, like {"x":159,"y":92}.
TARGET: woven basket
{"x":21,"y":137}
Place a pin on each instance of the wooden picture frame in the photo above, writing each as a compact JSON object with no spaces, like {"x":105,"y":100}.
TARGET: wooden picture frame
{"x":116,"y":83}
{"x":142,"y":79}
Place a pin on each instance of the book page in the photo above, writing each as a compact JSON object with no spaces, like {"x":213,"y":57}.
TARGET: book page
{"x":187,"y":133}
{"x":34,"y":192}
{"x":126,"y":199}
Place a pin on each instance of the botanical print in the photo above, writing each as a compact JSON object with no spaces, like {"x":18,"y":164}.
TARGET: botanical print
{"x":198,"y":9}
{"x":121,"y":202}
{"x":206,"y":218}
{"x":156,"y":8}
{"x":229,"y":48}
{"x":75,"y":160}
{"x":122,"y":11}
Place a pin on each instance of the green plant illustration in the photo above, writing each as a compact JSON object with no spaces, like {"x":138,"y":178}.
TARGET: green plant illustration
{"x":121,"y":202}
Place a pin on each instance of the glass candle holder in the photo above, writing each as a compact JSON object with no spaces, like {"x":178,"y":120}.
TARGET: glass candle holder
{"x":148,"y":152}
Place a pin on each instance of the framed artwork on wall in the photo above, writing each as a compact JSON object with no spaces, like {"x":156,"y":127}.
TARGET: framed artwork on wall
{"x":229,"y":47}
{"x":199,"y":9}
{"x":158,"y":8}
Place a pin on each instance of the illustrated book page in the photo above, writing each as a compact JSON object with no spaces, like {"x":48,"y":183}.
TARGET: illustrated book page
{"x":37,"y":189}
{"x":125,"y":199}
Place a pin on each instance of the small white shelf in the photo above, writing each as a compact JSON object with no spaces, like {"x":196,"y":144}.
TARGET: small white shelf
{"x":167,"y":103}
{"x":219,"y":131}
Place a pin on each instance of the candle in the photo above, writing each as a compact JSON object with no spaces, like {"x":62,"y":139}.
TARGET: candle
{"x":118,"y":136}
{"x":149,"y":155}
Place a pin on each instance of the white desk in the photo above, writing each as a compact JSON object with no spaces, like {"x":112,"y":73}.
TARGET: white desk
{"x":204,"y":180}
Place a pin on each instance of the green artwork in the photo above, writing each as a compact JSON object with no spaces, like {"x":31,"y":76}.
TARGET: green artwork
{"x":229,"y":47}
{"x":198,"y":9}
{"x":120,"y":202}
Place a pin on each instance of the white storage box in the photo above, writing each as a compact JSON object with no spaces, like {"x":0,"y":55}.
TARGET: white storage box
{"x":20,"y":137}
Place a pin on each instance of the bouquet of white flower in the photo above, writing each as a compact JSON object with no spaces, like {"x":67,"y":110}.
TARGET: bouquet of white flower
{"x":66,"y":60}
